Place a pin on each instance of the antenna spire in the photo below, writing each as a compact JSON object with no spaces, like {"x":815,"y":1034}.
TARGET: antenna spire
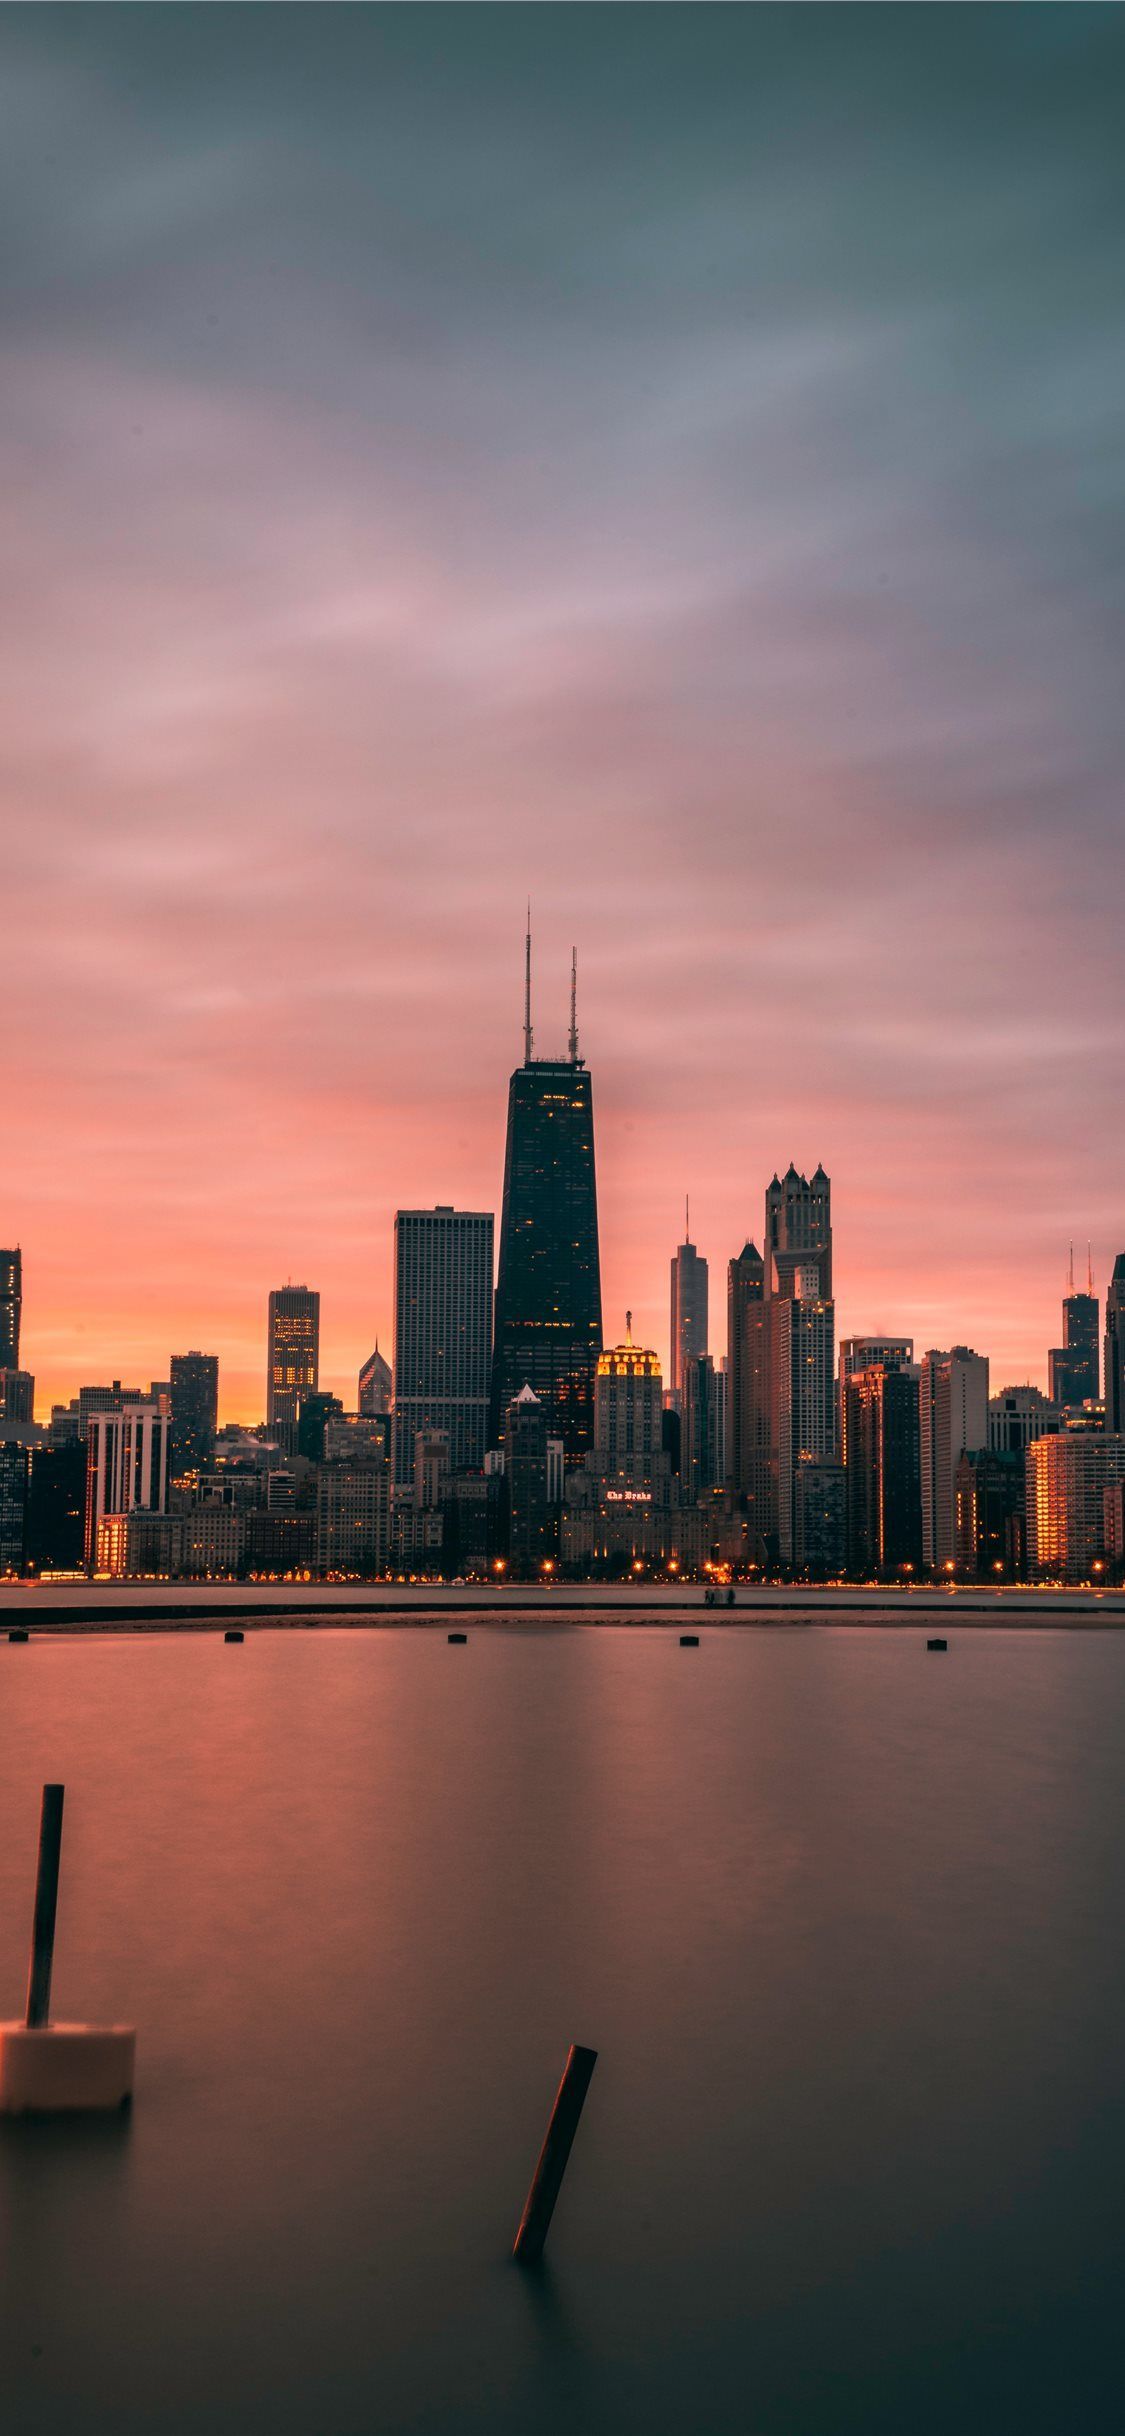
{"x":574,"y":1006}
{"x":687,"y":1217}
{"x":527,"y":992}
{"x":1070,"y":1273}
{"x":1089,"y":1270}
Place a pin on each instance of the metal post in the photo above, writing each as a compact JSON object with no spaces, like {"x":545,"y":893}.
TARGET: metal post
{"x":46,"y":1902}
{"x":547,"y":2179}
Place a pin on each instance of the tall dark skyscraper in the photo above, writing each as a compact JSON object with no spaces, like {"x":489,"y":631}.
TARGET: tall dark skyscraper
{"x":1073,"y":1365}
{"x":11,"y":1305}
{"x":802,"y":1326}
{"x":548,"y":1328}
{"x":689,"y":1309}
{"x":1115,"y":1348}
{"x":443,"y":1334}
{"x":748,"y":1451}
{"x":194,"y":1395}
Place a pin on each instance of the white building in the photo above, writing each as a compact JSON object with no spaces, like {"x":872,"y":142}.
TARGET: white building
{"x":1017,"y":1416}
{"x":127,"y":1465}
{"x":953,"y":1415}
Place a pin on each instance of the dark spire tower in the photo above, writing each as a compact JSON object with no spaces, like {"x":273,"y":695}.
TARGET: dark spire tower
{"x":548,"y":1325}
{"x":11,"y":1305}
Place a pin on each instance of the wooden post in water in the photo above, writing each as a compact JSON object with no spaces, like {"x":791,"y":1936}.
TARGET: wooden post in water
{"x":546,"y":2181}
{"x":46,"y":1905}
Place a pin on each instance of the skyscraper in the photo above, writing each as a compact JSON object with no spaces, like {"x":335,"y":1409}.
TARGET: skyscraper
{"x":801,"y":1338}
{"x":628,"y":1404}
{"x":748,"y":1447}
{"x":293,"y":1360}
{"x":1115,"y":1348}
{"x":127,"y":1466}
{"x":548,"y":1292}
{"x":531,"y":1533}
{"x":1068,"y":1474}
{"x":11,"y":1305}
{"x":443,"y":1334}
{"x":1073,"y":1365}
{"x":953,"y":1415}
{"x":880,"y":1414}
{"x":194,"y":1394}
{"x":375,"y":1384}
{"x":689,"y":1308}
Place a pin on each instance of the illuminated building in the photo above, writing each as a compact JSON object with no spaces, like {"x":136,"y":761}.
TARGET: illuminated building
{"x":293,"y":1368}
{"x":884,"y":1494}
{"x":194,"y":1393}
{"x":628,"y":1405}
{"x":1073,"y":1365}
{"x":953,"y":1415}
{"x":13,"y":1505}
{"x":11,"y":1306}
{"x":443,"y":1334}
{"x":127,"y":1465}
{"x":865,"y":1353}
{"x":17,"y":1396}
{"x":689,"y":1309}
{"x":1067,"y":1477}
{"x":548,"y":1292}
{"x":1115,"y":1348}
{"x":702,"y":1395}
{"x":353,"y":1514}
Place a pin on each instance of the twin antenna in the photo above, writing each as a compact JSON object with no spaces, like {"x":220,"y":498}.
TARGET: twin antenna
{"x":528,"y":1037}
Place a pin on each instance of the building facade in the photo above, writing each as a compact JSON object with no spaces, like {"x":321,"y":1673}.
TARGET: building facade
{"x":688,"y":1335}
{"x":194,"y":1393}
{"x":293,"y":1360}
{"x":953,"y":1415}
{"x":443,"y":1334}
{"x":1073,"y":1366}
{"x":748,"y":1414}
{"x":531,"y":1517}
{"x":376,"y":1381}
{"x":548,"y":1290}
{"x":11,"y":1307}
{"x":628,"y":1408}
{"x":1017,"y":1416}
{"x":1067,"y":1477}
{"x":1115,"y":1348}
{"x":883,"y":1468}
{"x":127,"y":1466}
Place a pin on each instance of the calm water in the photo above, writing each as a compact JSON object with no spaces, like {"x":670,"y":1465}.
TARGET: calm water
{"x":844,"y":1921}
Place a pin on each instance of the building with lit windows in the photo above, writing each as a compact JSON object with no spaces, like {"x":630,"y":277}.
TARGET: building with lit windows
{"x":194,"y":1391}
{"x":293,"y":1362}
{"x":1067,"y":1478}
{"x":748,"y":1413}
{"x":882,"y":1467}
{"x":127,"y":1466}
{"x":548,"y":1331}
{"x":628,"y":1406}
{"x":1017,"y":1416}
{"x":1115,"y":1347}
{"x":11,"y":1307}
{"x":1073,"y":1365}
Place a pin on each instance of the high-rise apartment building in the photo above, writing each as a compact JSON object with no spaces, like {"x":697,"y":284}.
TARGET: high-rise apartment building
{"x":1073,"y":1365}
{"x":865,"y":1353}
{"x":882,"y":1466}
{"x":990,"y":1501}
{"x":689,"y":1309}
{"x":17,"y":1396}
{"x":548,"y":1291}
{"x":194,"y":1394}
{"x":11,"y":1307}
{"x":443,"y":1334}
{"x":1067,"y":1478}
{"x":1115,"y":1348}
{"x":702,"y":1396}
{"x":748,"y":1420}
{"x":801,"y":1333}
{"x":293,"y":1361}
{"x":628,"y":1409}
{"x":376,"y":1381}
{"x":531,"y":1517}
{"x":953,"y":1415}
{"x":127,"y":1466}
{"x":14,"y":1464}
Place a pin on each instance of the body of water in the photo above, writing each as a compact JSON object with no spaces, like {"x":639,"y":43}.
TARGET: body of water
{"x":844,"y":1921}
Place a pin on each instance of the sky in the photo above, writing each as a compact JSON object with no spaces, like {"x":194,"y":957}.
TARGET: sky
{"x":668,"y":462}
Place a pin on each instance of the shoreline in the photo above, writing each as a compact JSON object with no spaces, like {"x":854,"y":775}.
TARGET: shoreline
{"x":72,"y":1608}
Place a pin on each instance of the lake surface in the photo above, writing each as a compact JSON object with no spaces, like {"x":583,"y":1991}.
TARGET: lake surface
{"x":844,"y":1921}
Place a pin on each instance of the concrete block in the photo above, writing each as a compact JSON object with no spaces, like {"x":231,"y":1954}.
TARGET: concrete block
{"x":68,"y":2068}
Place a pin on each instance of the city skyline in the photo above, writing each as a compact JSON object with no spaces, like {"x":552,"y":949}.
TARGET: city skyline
{"x":581,"y":510}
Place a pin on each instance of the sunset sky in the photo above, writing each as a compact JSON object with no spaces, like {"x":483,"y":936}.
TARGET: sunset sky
{"x":670,"y":463}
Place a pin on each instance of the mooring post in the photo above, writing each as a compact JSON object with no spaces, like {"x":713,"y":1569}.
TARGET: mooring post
{"x":546,"y":2182}
{"x":46,"y":1905}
